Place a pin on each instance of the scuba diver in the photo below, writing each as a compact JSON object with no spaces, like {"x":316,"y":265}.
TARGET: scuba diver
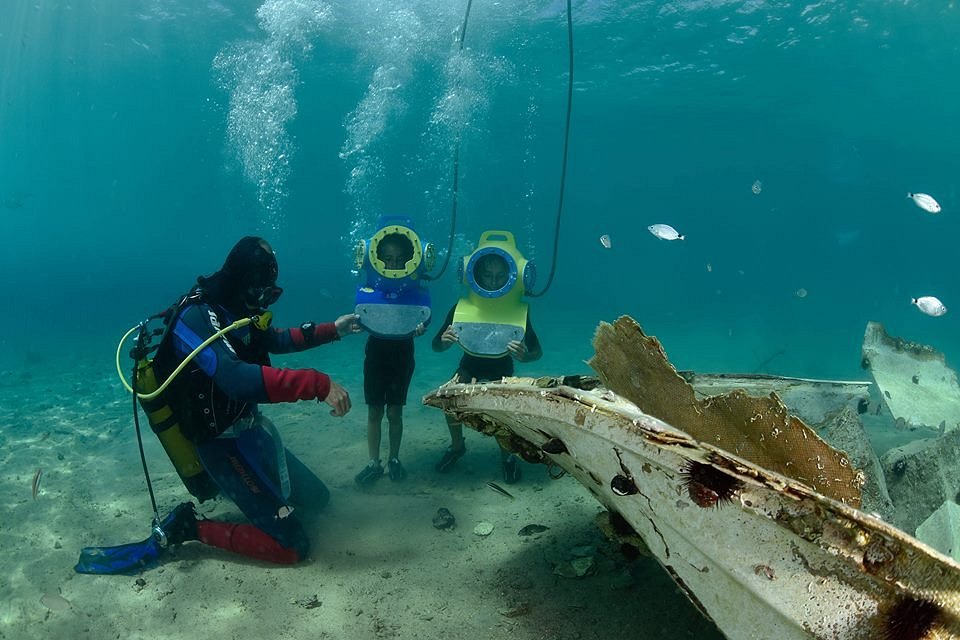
{"x":209,"y":423}
{"x":492,"y":326}
{"x":393,"y":304}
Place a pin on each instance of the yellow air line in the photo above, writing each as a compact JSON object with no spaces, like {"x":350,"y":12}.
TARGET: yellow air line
{"x":242,"y":322}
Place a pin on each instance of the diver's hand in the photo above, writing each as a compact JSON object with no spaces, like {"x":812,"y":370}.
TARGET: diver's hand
{"x":349,"y":323}
{"x":419,"y":331}
{"x":517,"y":349}
{"x":339,"y":399}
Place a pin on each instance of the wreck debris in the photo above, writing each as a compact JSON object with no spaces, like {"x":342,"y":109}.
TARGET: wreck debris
{"x":554,"y":446}
{"x":834,"y":571}
{"x":623,"y":485}
{"x":847,"y":433}
{"x":921,"y":475}
{"x":444,"y":519}
{"x":915,"y":383}
{"x":813,"y":401}
{"x":758,"y":429}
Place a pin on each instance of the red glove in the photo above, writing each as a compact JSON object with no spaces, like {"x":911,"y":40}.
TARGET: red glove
{"x":290,"y":385}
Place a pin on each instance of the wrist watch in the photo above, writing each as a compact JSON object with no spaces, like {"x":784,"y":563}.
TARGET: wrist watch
{"x":309,"y":332}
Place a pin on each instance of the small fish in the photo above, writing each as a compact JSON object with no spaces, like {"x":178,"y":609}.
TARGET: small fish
{"x":929,"y":305}
{"x":664,"y":232}
{"x":605,"y":241}
{"x":757,"y":187}
{"x":500,"y":490}
{"x":532,"y":529}
{"x":925,"y":202}
{"x":55,"y":602}
{"x":37,"y":476}
{"x":801,"y":293}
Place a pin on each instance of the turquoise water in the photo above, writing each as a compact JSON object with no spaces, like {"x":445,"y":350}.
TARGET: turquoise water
{"x":139,"y":139}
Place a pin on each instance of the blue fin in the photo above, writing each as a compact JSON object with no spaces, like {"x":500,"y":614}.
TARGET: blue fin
{"x":126,"y":559}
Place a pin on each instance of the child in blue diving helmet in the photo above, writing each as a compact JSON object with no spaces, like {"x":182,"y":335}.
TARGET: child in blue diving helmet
{"x":492,"y":326}
{"x":393,"y":304}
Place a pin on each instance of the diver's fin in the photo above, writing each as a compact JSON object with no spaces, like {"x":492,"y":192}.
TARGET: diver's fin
{"x":126,"y":559}
{"x":179,"y":526}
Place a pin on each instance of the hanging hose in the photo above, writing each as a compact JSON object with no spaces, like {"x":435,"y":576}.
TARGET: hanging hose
{"x":140,"y":348}
{"x":563,"y":164}
{"x":456,"y":172}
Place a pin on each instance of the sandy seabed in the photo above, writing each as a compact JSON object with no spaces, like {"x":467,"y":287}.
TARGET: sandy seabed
{"x":378,"y":568}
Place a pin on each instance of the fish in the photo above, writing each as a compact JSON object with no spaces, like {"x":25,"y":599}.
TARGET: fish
{"x":55,"y":602}
{"x":929,"y":305}
{"x":37,"y":476}
{"x":494,"y":486}
{"x":757,"y":187}
{"x":925,"y":202}
{"x":664,"y":232}
{"x":532,"y":529}
{"x":605,"y":241}
{"x":801,"y":293}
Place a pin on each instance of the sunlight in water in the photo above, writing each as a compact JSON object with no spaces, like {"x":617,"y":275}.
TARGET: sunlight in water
{"x":261,"y":77}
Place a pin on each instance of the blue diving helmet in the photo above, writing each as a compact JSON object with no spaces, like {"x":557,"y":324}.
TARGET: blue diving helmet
{"x":393,"y":298}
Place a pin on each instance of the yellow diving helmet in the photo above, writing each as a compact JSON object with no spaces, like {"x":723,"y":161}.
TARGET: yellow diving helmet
{"x":493,"y":314}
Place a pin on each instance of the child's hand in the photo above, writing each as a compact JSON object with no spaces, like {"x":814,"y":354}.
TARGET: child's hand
{"x":517,"y":349}
{"x":449,"y":336}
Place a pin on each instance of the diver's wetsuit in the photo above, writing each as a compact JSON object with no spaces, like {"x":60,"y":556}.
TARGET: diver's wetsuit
{"x":220,"y":388}
{"x":485,"y":369}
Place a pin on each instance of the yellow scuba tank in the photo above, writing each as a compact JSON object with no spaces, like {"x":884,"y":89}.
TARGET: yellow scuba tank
{"x":154,"y":400}
{"x":164,"y":422}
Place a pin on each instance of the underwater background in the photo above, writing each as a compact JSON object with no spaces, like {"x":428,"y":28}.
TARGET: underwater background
{"x":139,"y":139}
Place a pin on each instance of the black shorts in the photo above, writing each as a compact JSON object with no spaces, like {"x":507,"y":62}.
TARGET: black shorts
{"x":484,"y":369}
{"x":387,"y":371}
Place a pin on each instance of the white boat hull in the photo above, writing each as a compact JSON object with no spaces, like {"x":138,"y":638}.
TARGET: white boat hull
{"x":776,"y":561}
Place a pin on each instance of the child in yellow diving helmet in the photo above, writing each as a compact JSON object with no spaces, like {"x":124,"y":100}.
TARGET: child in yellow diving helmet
{"x":491,"y":273}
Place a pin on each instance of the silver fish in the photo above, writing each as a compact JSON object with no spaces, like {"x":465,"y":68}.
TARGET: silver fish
{"x":35,"y":486}
{"x":664,"y":232}
{"x":925,"y":202}
{"x":929,"y":305}
{"x":605,"y":241}
{"x":500,"y":490}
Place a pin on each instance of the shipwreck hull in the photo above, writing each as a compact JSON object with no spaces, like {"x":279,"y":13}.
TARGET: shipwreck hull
{"x":761,"y":554}
{"x":813,"y":401}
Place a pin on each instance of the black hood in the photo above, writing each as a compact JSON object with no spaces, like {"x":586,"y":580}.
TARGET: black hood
{"x":248,"y":272}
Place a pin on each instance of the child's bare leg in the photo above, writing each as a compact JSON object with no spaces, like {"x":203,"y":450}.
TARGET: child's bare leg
{"x":395,"y":418}
{"x":374,"y":419}
{"x":456,"y":449}
{"x":373,"y":470}
{"x":456,"y":434}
